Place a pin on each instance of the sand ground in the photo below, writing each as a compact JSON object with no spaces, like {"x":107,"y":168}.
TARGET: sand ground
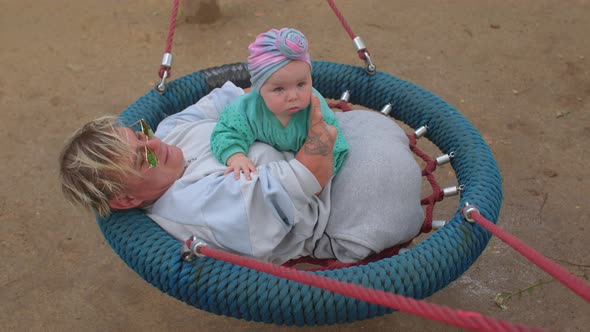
{"x":518,"y":70}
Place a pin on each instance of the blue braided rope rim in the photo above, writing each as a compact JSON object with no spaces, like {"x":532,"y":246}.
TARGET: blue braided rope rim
{"x":230,"y":290}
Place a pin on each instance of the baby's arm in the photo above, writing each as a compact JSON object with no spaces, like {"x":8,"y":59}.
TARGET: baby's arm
{"x":231,"y":139}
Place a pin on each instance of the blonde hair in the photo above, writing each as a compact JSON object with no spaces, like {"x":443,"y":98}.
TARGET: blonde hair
{"x":93,"y":164}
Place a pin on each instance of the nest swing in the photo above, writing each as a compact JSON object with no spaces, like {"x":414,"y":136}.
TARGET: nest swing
{"x":227,"y":289}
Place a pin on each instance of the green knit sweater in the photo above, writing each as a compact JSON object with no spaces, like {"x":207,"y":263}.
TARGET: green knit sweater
{"x":248,"y":119}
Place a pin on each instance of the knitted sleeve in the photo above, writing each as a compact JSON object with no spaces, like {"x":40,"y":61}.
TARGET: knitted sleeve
{"x":232,"y":134}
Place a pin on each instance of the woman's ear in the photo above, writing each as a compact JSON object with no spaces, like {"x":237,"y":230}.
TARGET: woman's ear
{"x":124,"y":202}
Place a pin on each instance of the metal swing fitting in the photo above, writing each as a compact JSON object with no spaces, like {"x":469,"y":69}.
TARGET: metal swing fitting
{"x":387,"y":109}
{"x":166,"y":62}
{"x":345,"y":96}
{"x":444,"y":159}
{"x":436,"y":224}
{"x":421,"y":131}
{"x":191,"y":250}
{"x":453,"y":191}
{"x":370,"y":67}
{"x":467,"y":211}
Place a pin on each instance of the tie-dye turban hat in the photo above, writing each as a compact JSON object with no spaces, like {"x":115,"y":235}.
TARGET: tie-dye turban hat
{"x":272,"y":50}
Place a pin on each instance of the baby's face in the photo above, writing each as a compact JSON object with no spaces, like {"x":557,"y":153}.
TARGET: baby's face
{"x":288,"y":90}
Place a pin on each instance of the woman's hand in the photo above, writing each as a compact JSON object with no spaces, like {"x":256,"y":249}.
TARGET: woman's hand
{"x":317,"y":152}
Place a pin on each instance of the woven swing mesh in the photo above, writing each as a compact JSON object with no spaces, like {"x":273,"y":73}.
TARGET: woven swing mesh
{"x":230,"y":290}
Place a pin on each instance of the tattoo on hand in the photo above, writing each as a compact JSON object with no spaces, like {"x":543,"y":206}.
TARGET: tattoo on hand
{"x":318,"y":142}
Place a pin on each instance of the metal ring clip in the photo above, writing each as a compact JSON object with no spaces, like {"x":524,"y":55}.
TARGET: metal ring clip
{"x":387,"y":109}
{"x":166,"y":63}
{"x":468,"y":210}
{"x":190,"y":249}
{"x":161,"y":87}
{"x":445,"y":158}
{"x":436,"y":224}
{"x":345,"y":96}
{"x":370,"y":67}
{"x":453,"y":191}
{"x":421,"y":131}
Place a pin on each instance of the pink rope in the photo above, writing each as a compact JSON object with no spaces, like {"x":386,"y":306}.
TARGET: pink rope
{"x":341,"y":105}
{"x":437,"y":193}
{"x":465,"y":319}
{"x":170,"y":38}
{"x":554,"y":269}
{"x":347,"y":27}
{"x":342,"y":19}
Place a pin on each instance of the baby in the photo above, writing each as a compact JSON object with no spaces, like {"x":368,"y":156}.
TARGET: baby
{"x":277,"y":109}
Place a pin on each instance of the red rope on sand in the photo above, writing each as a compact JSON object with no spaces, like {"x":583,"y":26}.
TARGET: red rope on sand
{"x":464,"y":319}
{"x":170,"y":38}
{"x":342,"y":19}
{"x":346,"y":27}
{"x":564,"y":276}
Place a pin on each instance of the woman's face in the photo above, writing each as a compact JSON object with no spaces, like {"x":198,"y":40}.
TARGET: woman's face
{"x":151,"y":182}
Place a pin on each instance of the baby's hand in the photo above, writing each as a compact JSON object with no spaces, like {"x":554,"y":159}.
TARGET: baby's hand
{"x":239,"y":162}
